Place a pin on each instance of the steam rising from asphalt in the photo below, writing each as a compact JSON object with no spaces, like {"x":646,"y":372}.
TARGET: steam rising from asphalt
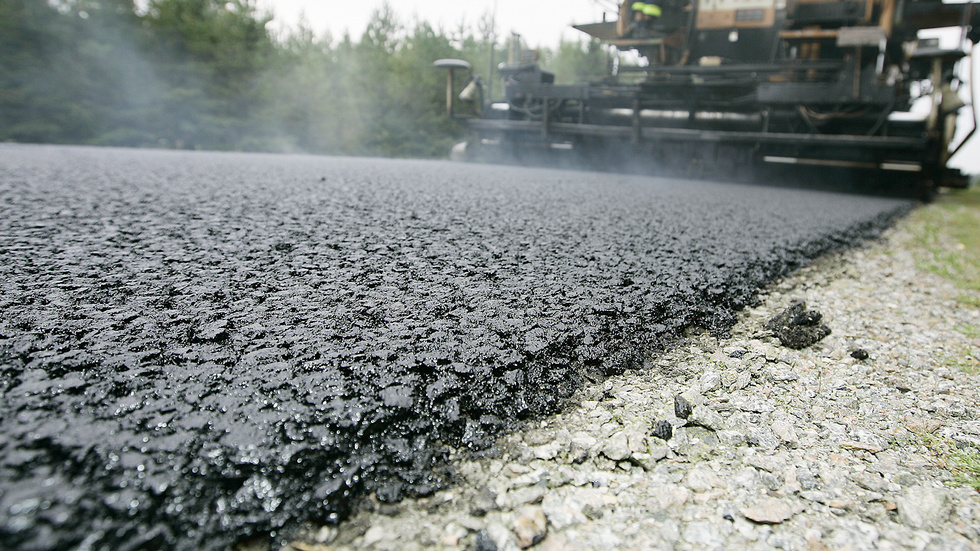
{"x":98,"y":74}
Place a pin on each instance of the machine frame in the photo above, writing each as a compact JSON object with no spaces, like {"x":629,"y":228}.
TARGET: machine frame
{"x":736,"y":88}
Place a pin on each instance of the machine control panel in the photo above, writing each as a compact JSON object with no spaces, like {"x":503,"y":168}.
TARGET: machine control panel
{"x":737,"y":14}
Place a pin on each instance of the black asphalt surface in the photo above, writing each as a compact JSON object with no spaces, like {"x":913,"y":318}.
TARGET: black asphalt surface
{"x":196,"y":347}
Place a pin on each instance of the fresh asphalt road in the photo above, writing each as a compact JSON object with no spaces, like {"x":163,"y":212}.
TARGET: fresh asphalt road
{"x":195,"y":347}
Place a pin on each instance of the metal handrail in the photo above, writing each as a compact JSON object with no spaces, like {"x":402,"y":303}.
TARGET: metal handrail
{"x":973,"y":107}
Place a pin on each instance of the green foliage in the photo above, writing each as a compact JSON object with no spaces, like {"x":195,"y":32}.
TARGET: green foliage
{"x":578,"y":61}
{"x":208,"y":74}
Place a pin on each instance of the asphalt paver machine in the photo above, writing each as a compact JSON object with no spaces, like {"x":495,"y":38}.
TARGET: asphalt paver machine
{"x":735,"y":88}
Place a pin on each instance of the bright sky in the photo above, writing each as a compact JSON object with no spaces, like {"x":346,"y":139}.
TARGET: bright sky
{"x":540,"y":22}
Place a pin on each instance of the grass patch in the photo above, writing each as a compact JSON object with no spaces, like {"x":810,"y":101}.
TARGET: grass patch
{"x":969,"y":300}
{"x":963,"y":464}
{"x":966,"y":468}
{"x":946,"y":242}
{"x":962,"y":358}
{"x":968,"y":330}
{"x":947,"y":239}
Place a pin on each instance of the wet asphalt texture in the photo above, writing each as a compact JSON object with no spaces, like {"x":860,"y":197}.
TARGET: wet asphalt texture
{"x":195,"y":347}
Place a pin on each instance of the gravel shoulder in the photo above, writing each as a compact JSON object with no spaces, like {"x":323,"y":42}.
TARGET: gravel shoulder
{"x":810,"y":449}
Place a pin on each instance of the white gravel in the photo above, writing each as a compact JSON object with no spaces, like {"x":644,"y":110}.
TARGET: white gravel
{"x":809,"y":449}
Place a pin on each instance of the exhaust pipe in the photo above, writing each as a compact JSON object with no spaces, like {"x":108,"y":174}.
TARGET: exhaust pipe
{"x":451,"y":66}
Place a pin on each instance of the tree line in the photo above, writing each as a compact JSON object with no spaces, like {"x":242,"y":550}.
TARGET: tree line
{"x":209,"y":74}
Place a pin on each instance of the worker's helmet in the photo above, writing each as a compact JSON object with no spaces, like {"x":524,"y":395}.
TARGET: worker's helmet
{"x":652,"y":10}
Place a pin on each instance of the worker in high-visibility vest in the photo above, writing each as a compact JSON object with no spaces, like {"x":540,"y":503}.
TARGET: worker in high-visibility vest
{"x":645,"y":15}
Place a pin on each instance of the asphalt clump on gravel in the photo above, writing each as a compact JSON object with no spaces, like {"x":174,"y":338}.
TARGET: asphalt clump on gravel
{"x":798,"y":328}
{"x":198,"y":347}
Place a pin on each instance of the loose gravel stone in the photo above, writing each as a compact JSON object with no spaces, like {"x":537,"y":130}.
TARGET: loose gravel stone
{"x":706,"y":417}
{"x":580,"y":447}
{"x":562,"y":512}
{"x":706,"y":535}
{"x":768,"y":511}
{"x":860,"y":354}
{"x":702,"y":478}
{"x":710,"y":381}
{"x":663,"y":430}
{"x":531,"y":527}
{"x":923,"y":507}
{"x":483,"y":542}
{"x":483,"y":502}
{"x":617,"y":447}
{"x":682,"y":408}
{"x":763,"y":437}
{"x":786,"y":432}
